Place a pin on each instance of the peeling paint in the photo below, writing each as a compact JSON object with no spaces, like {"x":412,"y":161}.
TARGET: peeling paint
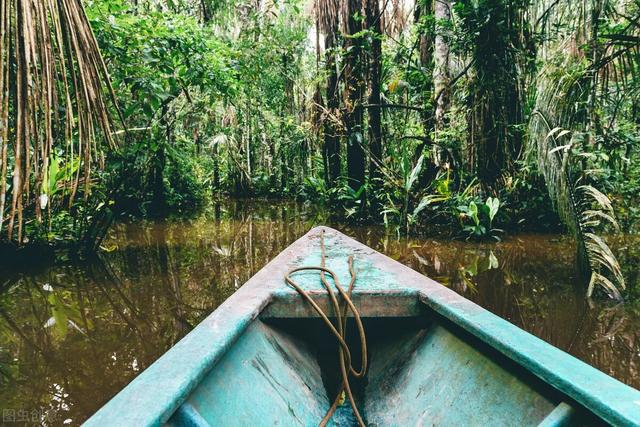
{"x":197,"y":360}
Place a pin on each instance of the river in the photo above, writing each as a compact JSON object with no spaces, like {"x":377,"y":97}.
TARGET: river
{"x":72,"y":334}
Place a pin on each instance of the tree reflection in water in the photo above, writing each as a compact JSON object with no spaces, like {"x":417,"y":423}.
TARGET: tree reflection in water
{"x":73,"y":334}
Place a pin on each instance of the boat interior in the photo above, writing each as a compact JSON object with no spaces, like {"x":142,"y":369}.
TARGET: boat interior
{"x":423,"y":370}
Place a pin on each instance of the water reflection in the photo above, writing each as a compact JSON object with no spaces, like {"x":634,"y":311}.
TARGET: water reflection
{"x":528,"y":281}
{"x":72,"y":335}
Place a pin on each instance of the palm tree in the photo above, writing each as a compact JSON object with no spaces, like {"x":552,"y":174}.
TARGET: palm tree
{"x":566,"y":121}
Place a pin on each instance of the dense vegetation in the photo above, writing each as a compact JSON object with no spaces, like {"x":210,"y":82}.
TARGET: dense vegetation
{"x":471,"y":117}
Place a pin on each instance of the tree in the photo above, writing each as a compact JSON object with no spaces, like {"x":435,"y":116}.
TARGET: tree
{"x":423,"y":17}
{"x":565,"y":127}
{"x":441,"y":69}
{"x":354,"y":73}
{"x":495,"y":98}
{"x":374,"y":26}
{"x":328,"y":14}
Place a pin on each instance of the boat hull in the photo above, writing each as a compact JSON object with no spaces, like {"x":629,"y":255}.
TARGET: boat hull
{"x":263,"y":358}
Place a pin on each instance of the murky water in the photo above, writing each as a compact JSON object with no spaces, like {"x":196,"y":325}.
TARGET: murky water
{"x":71,"y":336}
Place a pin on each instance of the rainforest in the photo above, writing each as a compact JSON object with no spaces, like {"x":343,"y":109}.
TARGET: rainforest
{"x":493,"y":145}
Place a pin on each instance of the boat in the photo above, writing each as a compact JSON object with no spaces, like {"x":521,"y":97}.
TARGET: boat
{"x":266,"y":357}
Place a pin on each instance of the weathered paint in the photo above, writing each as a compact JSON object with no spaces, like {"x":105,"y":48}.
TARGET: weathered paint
{"x":374,"y":304}
{"x":266,"y":378}
{"x":435,"y":377}
{"x":563,"y":415}
{"x":187,"y":416}
{"x":155,"y":395}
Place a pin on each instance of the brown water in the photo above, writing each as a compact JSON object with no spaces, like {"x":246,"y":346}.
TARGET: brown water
{"x":71,"y":336}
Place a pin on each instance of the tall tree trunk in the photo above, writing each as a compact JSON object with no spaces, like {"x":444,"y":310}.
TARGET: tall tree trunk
{"x":318,"y":101}
{"x":206,"y":14}
{"x":422,"y":15}
{"x":331,"y":146}
{"x":425,"y":46}
{"x":375,"y":119}
{"x":441,"y":70}
{"x":496,"y":93}
{"x":273,"y":177}
{"x":247,"y":148}
{"x":354,"y":89}
{"x":158,"y":201}
{"x":283,"y":160}
{"x":216,"y":168}
{"x":197,"y":139}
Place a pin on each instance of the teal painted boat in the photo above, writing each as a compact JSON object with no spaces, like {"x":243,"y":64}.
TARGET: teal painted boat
{"x":265,"y":358}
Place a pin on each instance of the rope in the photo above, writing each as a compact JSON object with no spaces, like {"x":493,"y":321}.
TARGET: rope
{"x":344,"y":354}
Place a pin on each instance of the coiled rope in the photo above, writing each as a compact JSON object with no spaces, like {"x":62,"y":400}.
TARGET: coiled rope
{"x":344,"y":354}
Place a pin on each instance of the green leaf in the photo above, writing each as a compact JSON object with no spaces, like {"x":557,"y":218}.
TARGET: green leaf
{"x":473,"y":213}
{"x":428,"y":200}
{"x":415,"y":172}
{"x":494,"y":205}
{"x":52,"y":179}
{"x":553,"y":132}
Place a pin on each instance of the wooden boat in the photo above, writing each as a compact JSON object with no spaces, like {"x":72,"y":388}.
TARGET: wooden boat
{"x":265,"y":358}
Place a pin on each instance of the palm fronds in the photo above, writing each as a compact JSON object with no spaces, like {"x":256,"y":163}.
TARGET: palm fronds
{"x":582,"y":208}
{"x":559,"y":126}
{"x":52,"y":98}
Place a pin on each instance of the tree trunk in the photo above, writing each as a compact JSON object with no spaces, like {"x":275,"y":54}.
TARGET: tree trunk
{"x":425,"y":44}
{"x":375,"y":120}
{"x":354,"y":89}
{"x":216,"y":168}
{"x":206,"y":14}
{"x":283,"y":172}
{"x":331,"y":146}
{"x":197,"y":139}
{"x":158,"y":201}
{"x":422,"y":11}
{"x":441,"y":70}
{"x":158,"y":198}
{"x":496,"y":95}
{"x":283,"y":160}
